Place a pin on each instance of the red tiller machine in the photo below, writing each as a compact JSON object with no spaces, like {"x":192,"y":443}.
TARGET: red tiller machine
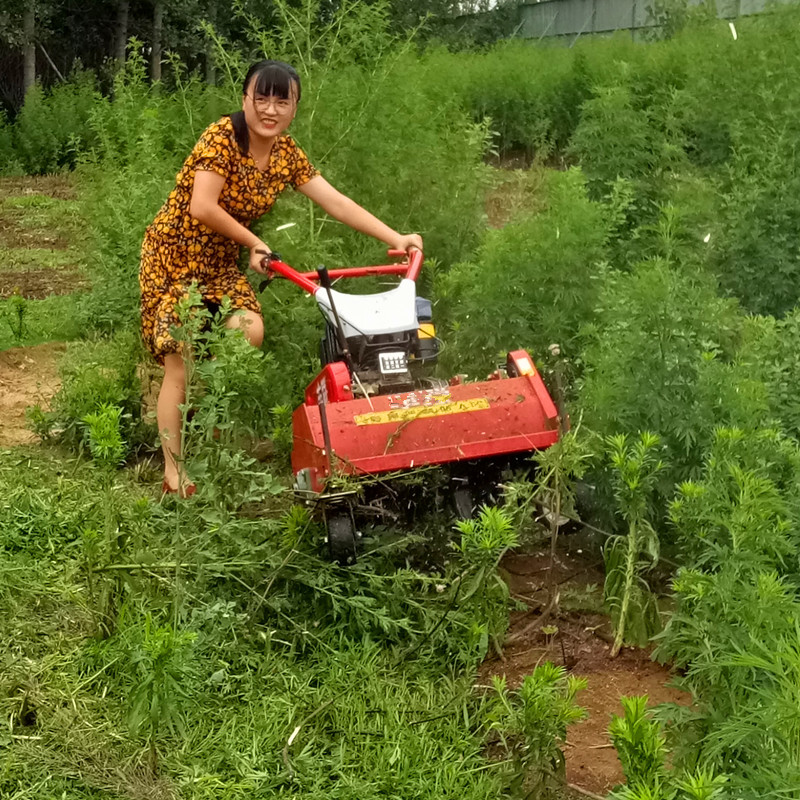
{"x":375,"y":410}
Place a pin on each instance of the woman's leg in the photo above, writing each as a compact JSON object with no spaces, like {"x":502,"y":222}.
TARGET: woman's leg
{"x":172,"y":394}
{"x":251,"y":323}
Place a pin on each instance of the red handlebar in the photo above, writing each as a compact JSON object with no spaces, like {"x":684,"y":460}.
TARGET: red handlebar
{"x":308,"y":280}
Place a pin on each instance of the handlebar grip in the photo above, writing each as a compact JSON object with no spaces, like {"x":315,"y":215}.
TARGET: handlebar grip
{"x":396,"y":253}
{"x":269,"y":257}
{"x":324,"y":278}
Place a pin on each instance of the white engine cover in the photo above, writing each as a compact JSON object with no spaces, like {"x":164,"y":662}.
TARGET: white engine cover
{"x":371,"y":314}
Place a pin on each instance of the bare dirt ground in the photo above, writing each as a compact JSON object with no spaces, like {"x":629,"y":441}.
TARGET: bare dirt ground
{"x":28,"y":375}
{"x":38,"y":284}
{"x":581,"y":643}
{"x":32,"y":229}
{"x":514,"y":193}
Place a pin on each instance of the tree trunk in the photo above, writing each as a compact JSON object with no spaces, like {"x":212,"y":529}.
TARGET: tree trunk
{"x":29,"y":48}
{"x":155,"y":53}
{"x":121,"y":32}
{"x":211,"y":64}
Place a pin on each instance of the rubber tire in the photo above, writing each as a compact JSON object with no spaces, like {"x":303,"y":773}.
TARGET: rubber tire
{"x":342,"y":541}
{"x":464,"y":502}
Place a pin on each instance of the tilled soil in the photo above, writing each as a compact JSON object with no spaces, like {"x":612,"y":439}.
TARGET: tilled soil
{"x":582,"y":643}
{"x":28,"y":375}
{"x":40,"y":283}
{"x":37,"y":232}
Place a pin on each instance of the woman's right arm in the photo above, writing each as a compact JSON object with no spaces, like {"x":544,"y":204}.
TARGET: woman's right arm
{"x":205,"y":207}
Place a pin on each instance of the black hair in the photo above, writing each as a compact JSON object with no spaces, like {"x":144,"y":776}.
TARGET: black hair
{"x":270,"y":79}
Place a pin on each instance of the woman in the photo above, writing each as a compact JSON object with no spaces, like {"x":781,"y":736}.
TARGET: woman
{"x":232,"y":176}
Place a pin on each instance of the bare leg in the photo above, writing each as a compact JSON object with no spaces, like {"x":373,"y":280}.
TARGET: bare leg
{"x":251,"y":323}
{"x":172,"y":394}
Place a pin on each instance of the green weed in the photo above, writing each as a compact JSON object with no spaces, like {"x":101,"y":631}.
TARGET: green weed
{"x":633,"y":609}
{"x":551,"y":275}
{"x":736,"y":615}
{"x":648,"y":359}
{"x":641,"y":746}
{"x":95,"y":375}
{"x":531,"y":726}
{"x":48,"y":320}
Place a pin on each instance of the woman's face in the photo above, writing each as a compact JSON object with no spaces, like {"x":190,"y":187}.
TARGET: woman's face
{"x":268,"y":116}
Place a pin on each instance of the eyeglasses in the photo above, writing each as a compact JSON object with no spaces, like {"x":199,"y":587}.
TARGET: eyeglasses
{"x":279,"y":104}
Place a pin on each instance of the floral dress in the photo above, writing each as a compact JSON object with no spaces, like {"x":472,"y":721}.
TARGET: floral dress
{"x":179,"y":249}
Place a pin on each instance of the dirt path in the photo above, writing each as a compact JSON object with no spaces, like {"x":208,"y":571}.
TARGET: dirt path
{"x":40,"y":255}
{"x":581,"y":642}
{"x":28,"y":375}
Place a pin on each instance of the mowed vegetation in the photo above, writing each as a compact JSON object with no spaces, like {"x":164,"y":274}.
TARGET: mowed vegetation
{"x":204,"y":648}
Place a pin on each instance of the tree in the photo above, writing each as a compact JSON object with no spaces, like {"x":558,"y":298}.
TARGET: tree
{"x":155,"y":52}
{"x":121,"y":31}
{"x":28,"y":47}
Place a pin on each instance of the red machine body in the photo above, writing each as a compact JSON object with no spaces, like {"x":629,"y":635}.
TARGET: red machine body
{"x":426,"y":426}
{"x":510,"y":413}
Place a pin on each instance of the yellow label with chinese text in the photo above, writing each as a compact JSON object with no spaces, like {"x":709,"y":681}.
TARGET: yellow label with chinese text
{"x":421,"y":412}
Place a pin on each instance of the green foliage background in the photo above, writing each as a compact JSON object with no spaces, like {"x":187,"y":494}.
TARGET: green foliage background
{"x":659,"y":253}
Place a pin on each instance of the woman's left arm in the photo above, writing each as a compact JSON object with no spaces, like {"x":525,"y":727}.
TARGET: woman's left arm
{"x":341,"y":207}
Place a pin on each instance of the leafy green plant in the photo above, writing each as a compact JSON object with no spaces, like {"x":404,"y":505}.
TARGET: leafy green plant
{"x":108,"y":449}
{"x":532,"y":283}
{"x":95,"y":376}
{"x":161,"y":662}
{"x":16,"y":313}
{"x":228,"y":387}
{"x":531,"y":726}
{"x":484,"y":541}
{"x":633,"y":609}
{"x":640,"y":745}
{"x":559,"y":466}
{"x":104,"y":436}
{"x":642,"y":750}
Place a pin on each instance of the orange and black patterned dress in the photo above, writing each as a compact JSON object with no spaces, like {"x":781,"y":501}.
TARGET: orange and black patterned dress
{"x":179,"y":249}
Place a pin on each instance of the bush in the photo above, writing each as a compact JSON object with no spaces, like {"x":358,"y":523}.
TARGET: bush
{"x":532,"y":283}
{"x":658,"y":336}
{"x":95,"y":375}
{"x":770,"y":350}
{"x":619,"y":138}
{"x":9,"y":161}
{"x":533,"y":116}
{"x":734,"y":631}
{"x":757,"y":256}
{"x":52,"y":128}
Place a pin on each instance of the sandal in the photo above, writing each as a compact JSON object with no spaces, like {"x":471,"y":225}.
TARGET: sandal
{"x":187,"y":491}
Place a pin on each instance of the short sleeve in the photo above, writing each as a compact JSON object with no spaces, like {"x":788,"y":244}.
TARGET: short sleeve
{"x":216,"y":150}
{"x":301,"y":170}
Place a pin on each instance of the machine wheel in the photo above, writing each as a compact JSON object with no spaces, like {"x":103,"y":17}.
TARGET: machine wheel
{"x":463,"y":501}
{"x":342,"y":540}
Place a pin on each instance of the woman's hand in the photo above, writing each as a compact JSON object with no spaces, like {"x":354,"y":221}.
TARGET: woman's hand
{"x":408,"y":241}
{"x":258,"y":252}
